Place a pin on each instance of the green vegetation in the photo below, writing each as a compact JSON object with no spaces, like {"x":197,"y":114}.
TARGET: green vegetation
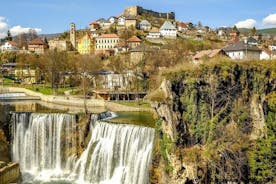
{"x":214,"y":104}
{"x":47,"y":90}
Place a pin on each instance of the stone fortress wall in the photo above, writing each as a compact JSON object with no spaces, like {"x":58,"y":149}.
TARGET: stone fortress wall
{"x":134,"y":11}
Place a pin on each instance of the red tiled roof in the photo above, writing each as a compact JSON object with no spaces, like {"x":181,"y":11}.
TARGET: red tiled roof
{"x":182,"y":24}
{"x":269,"y":52}
{"x":109,"y":36}
{"x":13,"y":43}
{"x":37,"y":41}
{"x":134,"y":39}
{"x":94,"y":23}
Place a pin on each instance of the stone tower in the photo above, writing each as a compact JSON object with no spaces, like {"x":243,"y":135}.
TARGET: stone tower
{"x":73,"y":35}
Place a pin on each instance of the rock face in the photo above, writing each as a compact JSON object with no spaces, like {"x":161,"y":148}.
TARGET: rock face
{"x":210,"y":118}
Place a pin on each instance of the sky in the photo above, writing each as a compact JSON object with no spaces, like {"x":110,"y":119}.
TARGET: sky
{"x":54,"y":16}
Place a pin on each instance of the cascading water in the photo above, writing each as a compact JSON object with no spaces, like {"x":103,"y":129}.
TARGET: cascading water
{"x":9,"y":95}
{"x":44,"y":146}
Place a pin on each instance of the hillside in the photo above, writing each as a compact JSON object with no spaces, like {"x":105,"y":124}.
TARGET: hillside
{"x":270,"y":31}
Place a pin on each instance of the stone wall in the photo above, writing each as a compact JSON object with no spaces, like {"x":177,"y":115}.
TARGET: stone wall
{"x":10,"y":173}
{"x":137,"y":10}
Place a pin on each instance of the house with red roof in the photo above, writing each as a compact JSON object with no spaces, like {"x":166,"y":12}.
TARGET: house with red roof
{"x":37,"y":46}
{"x":9,"y":46}
{"x":133,"y":42}
{"x":94,"y":26}
{"x":266,"y":54}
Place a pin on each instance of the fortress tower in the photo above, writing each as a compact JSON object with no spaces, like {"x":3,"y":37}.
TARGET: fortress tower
{"x":73,"y":35}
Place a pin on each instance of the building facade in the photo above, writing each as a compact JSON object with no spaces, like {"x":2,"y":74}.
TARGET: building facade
{"x":60,"y":45}
{"x":37,"y":46}
{"x":242,"y":50}
{"x":168,"y":30}
{"x":106,"y":42}
{"x":9,"y":46}
{"x":133,"y":42}
{"x":86,"y":44}
{"x":144,"y":25}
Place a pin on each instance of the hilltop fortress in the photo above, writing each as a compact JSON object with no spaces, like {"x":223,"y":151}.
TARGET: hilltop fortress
{"x":134,"y":11}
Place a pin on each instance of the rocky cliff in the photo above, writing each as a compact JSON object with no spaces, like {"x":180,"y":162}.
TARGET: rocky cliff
{"x":217,"y":124}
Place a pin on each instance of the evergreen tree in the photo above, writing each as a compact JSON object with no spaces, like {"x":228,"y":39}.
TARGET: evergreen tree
{"x":253,"y":31}
{"x":9,"y":36}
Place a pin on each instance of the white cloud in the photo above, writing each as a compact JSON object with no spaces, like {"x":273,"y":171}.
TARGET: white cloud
{"x":18,"y":30}
{"x":3,"y":27}
{"x":270,"y":20}
{"x":15,"y":30}
{"x":248,"y":23}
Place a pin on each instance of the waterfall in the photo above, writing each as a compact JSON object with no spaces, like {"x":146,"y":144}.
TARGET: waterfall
{"x":119,"y":154}
{"x":9,"y":95}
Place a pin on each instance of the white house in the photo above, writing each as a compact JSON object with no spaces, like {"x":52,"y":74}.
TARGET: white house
{"x":121,"y":21}
{"x":242,"y":50}
{"x":9,"y":46}
{"x":266,"y":54}
{"x":154,"y":33}
{"x":144,"y":25}
{"x":112,"y":19}
{"x":168,"y":30}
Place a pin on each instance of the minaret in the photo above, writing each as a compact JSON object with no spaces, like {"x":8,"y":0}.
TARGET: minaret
{"x":73,"y":35}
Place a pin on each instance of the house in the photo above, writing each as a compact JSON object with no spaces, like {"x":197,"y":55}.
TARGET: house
{"x":130,"y":22}
{"x":27,"y":75}
{"x":112,"y":19}
{"x":133,"y":42}
{"x":60,"y":45}
{"x":86,"y":44}
{"x":94,"y":26}
{"x":121,"y":47}
{"x":266,"y":54}
{"x":106,"y":43}
{"x":168,"y":30}
{"x":37,"y":46}
{"x":154,"y":33}
{"x":252,"y":41}
{"x":144,"y":25}
{"x":182,"y":27}
{"x":121,"y":21}
{"x":9,"y":46}
{"x":104,"y":24}
{"x":208,"y":54}
{"x":242,"y":50}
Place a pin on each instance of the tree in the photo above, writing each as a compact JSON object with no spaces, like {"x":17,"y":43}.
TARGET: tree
{"x":199,"y":25}
{"x":22,"y":40}
{"x":9,"y":36}
{"x":32,"y":34}
{"x":253,"y":31}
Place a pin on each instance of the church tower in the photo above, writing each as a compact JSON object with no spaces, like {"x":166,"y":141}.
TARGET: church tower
{"x":73,"y":35}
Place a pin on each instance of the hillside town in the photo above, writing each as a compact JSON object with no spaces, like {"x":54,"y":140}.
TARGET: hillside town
{"x":127,"y":51}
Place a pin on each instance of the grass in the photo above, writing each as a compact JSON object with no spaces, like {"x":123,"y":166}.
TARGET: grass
{"x":47,"y":90}
{"x":135,"y":104}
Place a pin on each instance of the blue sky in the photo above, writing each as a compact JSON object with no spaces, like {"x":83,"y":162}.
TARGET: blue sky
{"x":54,"y":16}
